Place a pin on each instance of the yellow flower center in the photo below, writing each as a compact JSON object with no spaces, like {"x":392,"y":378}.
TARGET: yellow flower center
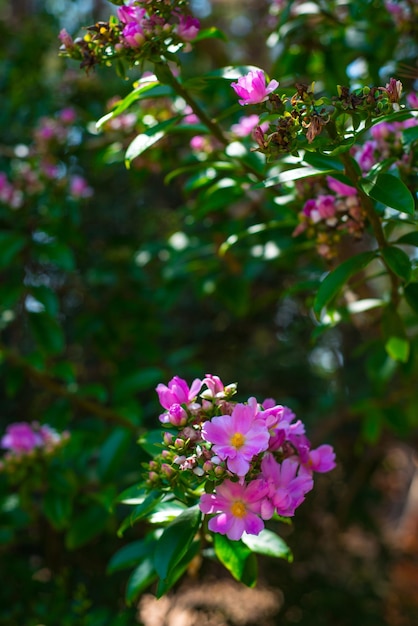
{"x":237,"y":440}
{"x":238,"y":509}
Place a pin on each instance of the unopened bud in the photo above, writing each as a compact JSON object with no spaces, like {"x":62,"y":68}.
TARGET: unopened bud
{"x":167,"y":470}
{"x":219,"y":471}
{"x":168,"y":439}
{"x":177,"y":415}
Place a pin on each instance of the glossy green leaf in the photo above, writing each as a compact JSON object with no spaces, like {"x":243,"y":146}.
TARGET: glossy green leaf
{"x":141,"y":510}
{"x":140,"y":579}
{"x":175,"y":541}
{"x":142,"y":142}
{"x":335,"y":280}
{"x":297,"y":173}
{"x":164,"y":585}
{"x":268,"y":543}
{"x":232,"y":554}
{"x":145,"y":89}
{"x":409,"y":239}
{"x":391,"y":192}
{"x":323,"y":162}
{"x":151,"y":442}
{"x":210,"y":33}
{"x":398,"y":261}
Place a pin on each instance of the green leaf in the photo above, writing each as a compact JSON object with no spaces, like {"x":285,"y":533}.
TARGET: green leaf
{"x":57,"y":508}
{"x":129,"y":555}
{"x":323,"y":162}
{"x":151,"y":442}
{"x":210,"y":33}
{"x":398,"y":349}
{"x":142,"y":142}
{"x":140,"y":579}
{"x":145,"y":89}
{"x":10,"y":245}
{"x":48,"y":298}
{"x":391,"y":192}
{"x":398,"y":261}
{"x":297,"y":173}
{"x":141,"y":510}
{"x":112,"y":452}
{"x":409,"y":239}
{"x":268,"y":543}
{"x":411,"y":296}
{"x":232,"y":554}
{"x":175,"y":541}
{"x":87,"y":526}
{"x":165,"y":585}
{"x":47,"y":332}
{"x":335,"y":280}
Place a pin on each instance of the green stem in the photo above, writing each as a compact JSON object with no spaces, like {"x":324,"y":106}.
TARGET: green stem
{"x":210,"y":124}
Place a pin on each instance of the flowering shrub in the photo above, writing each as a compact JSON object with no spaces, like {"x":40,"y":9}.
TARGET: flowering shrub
{"x":238,"y":463}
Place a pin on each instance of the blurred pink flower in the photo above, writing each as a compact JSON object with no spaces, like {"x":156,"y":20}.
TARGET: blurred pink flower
{"x":340,"y":188}
{"x":79,"y":187}
{"x":188,"y":27}
{"x":236,"y":508}
{"x":252,"y":88}
{"x":133,"y":35}
{"x":247,"y":124}
{"x":322,"y":459}
{"x":20,"y":437}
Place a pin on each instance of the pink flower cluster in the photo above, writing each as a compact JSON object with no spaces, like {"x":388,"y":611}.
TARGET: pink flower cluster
{"x":139,"y":23}
{"x":252,"y":88}
{"x":257,"y":455}
{"x":23,"y":438}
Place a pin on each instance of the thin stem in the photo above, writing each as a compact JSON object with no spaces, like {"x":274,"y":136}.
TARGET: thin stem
{"x":214,"y":128}
{"x":52,"y":386}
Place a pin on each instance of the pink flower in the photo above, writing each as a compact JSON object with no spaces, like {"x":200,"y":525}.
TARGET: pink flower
{"x":133,"y":35}
{"x":128,"y":14}
{"x":237,"y":508}
{"x":365,"y":157}
{"x":215,"y":387}
{"x":340,"y":188}
{"x":247,"y":124}
{"x":66,"y":39}
{"x":188,"y":27}
{"x":252,"y":88}
{"x":326,"y":206}
{"x":67,"y":115}
{"x":178,"y":392}
{"x":79,"y":187}
{"x":286,"y":488}
{"x":322,"y":459}
{"x":20,"y":437}
{"x":412,"y":100}
{"x":237,"y":438}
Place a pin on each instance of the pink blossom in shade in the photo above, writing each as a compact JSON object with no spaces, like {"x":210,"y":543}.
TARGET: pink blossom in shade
{"x":286,"y":487}
{"x":128,"y":14}
{"x":340,"y":188}
{"x":20,"y":437}
{"x":309,"y":207}
{"x":188,"y":27}
{"x":252,"y":88}
{"x":325,"y":206}
{"x":412,"y":100}
{"x":66,"y":39}
{"x":133,"y":35}
{"x":67,"y":115}
{"x":79,"y":187}
{"x":247,"y":124}
{"x":198,"y":143}
{"x":177,"y":416}
{"x":236,"y":508}
{"x":178,"y":392}
{"x":365,"y":157}
{"x":321,"y":460}
{"x":237,"y":438}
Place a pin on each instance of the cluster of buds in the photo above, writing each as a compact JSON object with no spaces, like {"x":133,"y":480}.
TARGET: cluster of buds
{"x":298,"y":120}
{"x":37,"y":167}
{"x":249,"y":461}
{"x":142,"y":29}
{"x":28,"y":442}
{"x":334,"y":211}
